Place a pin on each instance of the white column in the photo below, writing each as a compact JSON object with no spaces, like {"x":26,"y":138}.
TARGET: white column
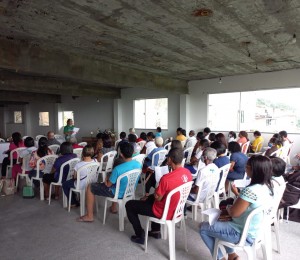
{"x":184,"y":117}
{"x":118,"y":122}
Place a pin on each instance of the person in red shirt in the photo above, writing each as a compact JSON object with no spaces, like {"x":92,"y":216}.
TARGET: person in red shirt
{"x":155,"y":204}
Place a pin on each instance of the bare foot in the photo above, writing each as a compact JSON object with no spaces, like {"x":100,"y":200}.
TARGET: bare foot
{"x":85,"y":219}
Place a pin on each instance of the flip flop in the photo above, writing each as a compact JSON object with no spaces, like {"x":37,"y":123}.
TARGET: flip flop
{"x":82,"y":219}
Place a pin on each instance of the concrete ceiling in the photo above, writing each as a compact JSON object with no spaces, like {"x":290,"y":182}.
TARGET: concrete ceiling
{"x":96,"y":47}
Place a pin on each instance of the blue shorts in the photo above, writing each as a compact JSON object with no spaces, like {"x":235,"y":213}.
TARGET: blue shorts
{"x":100,"y":189}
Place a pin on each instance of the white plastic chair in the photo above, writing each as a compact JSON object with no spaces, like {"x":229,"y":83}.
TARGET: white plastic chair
{"x":244,"y":147}
{"x":11,"y":164}
{"x":78,"y":152}
{"x":141,"y":144}
{"x":71,"y":163}
{"x":262,"y":239}
{"x":92,"y":176}
{"x":149,"y":149}
{"x":25,"y":162}
{"x":140,"y":158}
{"x":107,"y":162}
{"x":212,"y":181}
{"x":189,"y":152}
{"x":48,"y":160}
{"x":178,"y":216}
{"x":2,"y":140}
{"x":83,"y":144}
{"x":295,"y":206}
{"x":132,"y":179}
{"x":54,"y":148}
{"x":60,"y":138}
{"x":168,"y":146}
{"x":221,"y":189}
{"x":183,"y":143}
{"x":161,"y":157}
{"x":37,"y":138}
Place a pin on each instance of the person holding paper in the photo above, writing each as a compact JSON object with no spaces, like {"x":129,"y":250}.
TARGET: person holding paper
{"x":155,"y":204}
{"x":69,"y":130}
{"x":258,"y":193}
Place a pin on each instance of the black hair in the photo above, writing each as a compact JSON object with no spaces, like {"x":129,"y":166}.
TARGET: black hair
{"x":17,"y":138}
{"x":283,"y":134}
{"x":132,"y":138}
{"x":200,"y":135}
{"x":261,"y":168}
{"x":276,"y":141}
{"x":222,"y":139}
{"x":99,"y":135}
{"x":179,"y":129}
{"x":126,"y":149}
{"x":233,"y":134}
{"x":278,"y":166}
{"x":183,"y":131}
{"x":29,"y":141}
{"x":158,"y":129}
{"x":122,"y":135}
{"x":257,"y":133}
{"x":206,"y":130}
{"x":204,"y":143}
{"x":244,"y":134}
{"x":176,"y":155}
{"x":212,"y":137}
{"x":43,"y":147}
{"x":69,"y":120}
{"x":221,"y":149}
{"x":150,"y":134}
{"x":88,"y":151}
{"x":107,"y":142}
{"x":176,"y":144}
{"x":234,"y":147}
{"x":66,"y":148}
{"x":143,"y":136}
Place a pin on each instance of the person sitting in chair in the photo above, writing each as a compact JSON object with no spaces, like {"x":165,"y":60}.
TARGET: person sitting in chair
{"x":155,"y":204}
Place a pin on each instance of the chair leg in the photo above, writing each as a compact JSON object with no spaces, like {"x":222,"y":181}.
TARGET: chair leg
{"x":251,"y":252}
{"x":164,"y":231}
{"x":105,"y":208}
{"x":121,"y":215}
{"x":184,"y":233}
{"x":216,"y":248}
{"x":194,"y":212}
{"x":287,"y":214}
{"x":171,"y":231}
{"x":65,"y":203}
{"x":41,"y":190}
{"x":50,"y":191}
{"x":276,"y":227}
{"x":146,"y":234}
{"x":82,"y":203}
{"x":70,"y":197}
{"x":17,"y":180}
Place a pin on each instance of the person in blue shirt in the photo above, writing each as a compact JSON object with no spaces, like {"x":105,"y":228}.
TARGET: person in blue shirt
{"x":108,"y":188}
{"x":158,"y":132}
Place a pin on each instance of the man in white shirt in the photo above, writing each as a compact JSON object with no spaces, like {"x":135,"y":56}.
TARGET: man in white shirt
{"x":192,"y":140}
{"x":208,"y":177}
{"x":206,"y":132}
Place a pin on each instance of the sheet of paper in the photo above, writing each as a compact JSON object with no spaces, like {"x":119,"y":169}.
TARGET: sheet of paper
{"x":160,"y":171}
{"x":75,"y":130}
{"x":213,"y":215}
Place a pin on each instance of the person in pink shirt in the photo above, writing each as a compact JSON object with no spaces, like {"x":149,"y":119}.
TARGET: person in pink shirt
{"x":243,"y":138}
{"x":15,"y":143}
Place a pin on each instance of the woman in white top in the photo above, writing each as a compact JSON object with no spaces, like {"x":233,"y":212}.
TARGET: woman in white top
{"x":87,"y":155}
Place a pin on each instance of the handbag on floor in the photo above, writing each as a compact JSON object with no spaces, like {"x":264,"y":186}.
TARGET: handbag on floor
{"x":8,"y":186}
{"x":28,"y":192}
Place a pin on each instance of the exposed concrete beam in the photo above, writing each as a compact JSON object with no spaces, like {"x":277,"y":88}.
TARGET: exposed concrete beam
{"x":17,"y":82}
{"x":13,"y":96}
{"x":24,"y":57}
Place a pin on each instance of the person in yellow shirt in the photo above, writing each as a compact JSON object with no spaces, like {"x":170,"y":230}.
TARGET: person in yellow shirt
{"x":257,"y":143}
{"x":180,"y":134}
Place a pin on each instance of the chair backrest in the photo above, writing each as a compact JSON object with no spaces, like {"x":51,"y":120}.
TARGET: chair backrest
{"x":37,"y":138}
{"x":24,"y":137}
{"x":59,"y":138}
{"x":91,"y":171}
{"x":141,"y":144}
{"x":140,"y":158}
{"x":71,"y":163}
{"x":244,"y":235}
{"x":78,"y":152}
{"x":183,"y":143}
{"x":244,"y":147}
{"x":258,"y":147}
{"x":54,"y":148}
{"x":225,"y":171}
{"x":132,"y":179}
{"x":2,"y":140}
{"x":184,"y":191}
{"x":277,"y":152}
{"x":48,"y":160}
{"x":17,"y":151}
{"x":25,"y":163}
{"x":82,"y":144}
{"x":189,"y":152}
{"x":109,"y":158}
{"x":183,"y":162}
{"x":285,"y":151}
{"x":161,"y":157}
{"x":149,"y":149}
{"x":168,"y":146}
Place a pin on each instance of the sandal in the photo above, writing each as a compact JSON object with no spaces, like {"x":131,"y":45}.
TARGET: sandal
{"x":83,"y":219}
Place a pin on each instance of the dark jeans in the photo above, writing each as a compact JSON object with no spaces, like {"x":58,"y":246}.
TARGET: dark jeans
{"x":150,"y":183}
{"x":134,"y":208}
{"x":5,"y":163}
{"x":67,"y":185}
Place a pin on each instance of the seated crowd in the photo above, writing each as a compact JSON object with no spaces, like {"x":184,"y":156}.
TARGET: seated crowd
{"x":206,"y":153}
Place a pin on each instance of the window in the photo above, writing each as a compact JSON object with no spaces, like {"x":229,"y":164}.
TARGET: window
{"x":151,"y":113}
{"x":67,"y":115}
{"x":44,"y":119}
{"x":18,"y":117}
{"x":263,"y":110}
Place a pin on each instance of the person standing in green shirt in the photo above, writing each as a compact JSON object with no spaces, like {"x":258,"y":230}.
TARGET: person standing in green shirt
{"x":68,"y":130}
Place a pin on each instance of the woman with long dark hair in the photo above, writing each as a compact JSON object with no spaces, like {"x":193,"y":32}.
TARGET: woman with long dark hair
{"x":16,"y":142}
{"x":258,"y":193}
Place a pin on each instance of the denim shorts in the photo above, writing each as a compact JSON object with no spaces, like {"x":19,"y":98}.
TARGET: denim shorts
{"x":100,"y":189}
